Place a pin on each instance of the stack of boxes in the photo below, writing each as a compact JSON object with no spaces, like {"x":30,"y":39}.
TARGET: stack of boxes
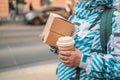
{"x":56,"y":27}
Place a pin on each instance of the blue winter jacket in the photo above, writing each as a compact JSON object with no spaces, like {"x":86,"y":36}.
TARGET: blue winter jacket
{"x":96,"y":65}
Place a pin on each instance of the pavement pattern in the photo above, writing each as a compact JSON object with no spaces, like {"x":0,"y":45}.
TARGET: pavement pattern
{"x":35,"y":71}
{"x":40,"y":72}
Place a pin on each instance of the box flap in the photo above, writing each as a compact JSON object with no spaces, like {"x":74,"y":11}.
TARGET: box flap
{"x":49,"y":24}
{"x":62,"y":27}
{"x":52,"y":39}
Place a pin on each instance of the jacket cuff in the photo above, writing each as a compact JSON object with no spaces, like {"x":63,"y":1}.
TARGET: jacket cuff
{"x":85,"y":62}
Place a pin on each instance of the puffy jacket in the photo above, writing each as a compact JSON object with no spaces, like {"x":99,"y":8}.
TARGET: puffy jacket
{"x":94,"y":66}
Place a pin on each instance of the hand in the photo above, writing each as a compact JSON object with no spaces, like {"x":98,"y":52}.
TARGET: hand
{"x":70,"y":58}
{"x":42,"y":36}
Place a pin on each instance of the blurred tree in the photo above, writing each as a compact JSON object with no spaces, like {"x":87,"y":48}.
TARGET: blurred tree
{"x":45,"y":2}
{"x":17,"y":2}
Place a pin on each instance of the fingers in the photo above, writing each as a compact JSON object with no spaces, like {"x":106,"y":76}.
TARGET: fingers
{"x":70,"y":58}
{"x":67,"y":63}
{"x":42,"y":36}
{"x":65,"y":53}
{"x":62,"y":57}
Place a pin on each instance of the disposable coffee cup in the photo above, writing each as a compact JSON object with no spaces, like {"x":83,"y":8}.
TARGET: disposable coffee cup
{"x":65,"y":43}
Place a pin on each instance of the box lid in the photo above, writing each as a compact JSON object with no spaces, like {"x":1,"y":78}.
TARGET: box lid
{"x":62,"y":27}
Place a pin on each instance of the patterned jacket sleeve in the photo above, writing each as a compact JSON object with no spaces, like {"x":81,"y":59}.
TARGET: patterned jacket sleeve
{"x":99,"y":65}
{"x":104,"y":66}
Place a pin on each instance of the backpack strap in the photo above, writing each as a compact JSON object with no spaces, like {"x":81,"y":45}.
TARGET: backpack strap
{"x":106,"y":28}
{"x":77,"y":77}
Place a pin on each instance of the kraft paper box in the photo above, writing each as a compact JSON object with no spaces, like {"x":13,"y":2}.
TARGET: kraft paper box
{"x":56,"y":27}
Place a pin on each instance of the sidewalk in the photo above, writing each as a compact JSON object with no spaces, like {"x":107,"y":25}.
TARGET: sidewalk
{"x":43,"y":72}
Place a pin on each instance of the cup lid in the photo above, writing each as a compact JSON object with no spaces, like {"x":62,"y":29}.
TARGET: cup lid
{"x":65,"y":41}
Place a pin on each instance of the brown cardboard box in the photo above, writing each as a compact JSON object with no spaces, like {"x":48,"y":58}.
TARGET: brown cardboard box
{"x":56,"y":27}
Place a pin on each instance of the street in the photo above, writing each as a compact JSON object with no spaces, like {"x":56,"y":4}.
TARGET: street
{"x":20,"y":46}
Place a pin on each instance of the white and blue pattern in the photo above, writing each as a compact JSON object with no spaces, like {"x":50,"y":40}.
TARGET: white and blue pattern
{"x":100,"y":67}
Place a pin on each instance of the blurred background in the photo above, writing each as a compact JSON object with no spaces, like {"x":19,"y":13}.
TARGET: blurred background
{"x":33,"y":10}
{"x":23,"y":56}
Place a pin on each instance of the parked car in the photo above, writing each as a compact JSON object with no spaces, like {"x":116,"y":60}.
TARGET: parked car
{"x":40,"y":17}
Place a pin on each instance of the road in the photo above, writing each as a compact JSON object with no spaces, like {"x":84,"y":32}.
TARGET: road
{"x":20,"y":45}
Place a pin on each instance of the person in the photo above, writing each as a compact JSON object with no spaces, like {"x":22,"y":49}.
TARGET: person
{"x":93,"y":65}
{"x":31,"y":7}
{"x":68,"y":9}
{"x":27,"y":7}
{"x":12,"y":9}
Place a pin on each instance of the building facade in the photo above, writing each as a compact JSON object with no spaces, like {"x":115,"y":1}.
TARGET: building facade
{"x":35,"y":4}
{"x":65,"y":3}
{"x":4,"y":8}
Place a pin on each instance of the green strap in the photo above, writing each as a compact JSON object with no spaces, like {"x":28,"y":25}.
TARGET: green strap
{"x":109,"y":23}
{"x":106,"y":28}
